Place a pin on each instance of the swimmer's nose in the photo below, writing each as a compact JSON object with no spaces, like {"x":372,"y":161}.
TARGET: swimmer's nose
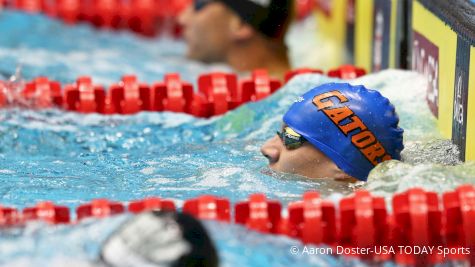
{"x":184,"y":16}
{"x":271,"y":150}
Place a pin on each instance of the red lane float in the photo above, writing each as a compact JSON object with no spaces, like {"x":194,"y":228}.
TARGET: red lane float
{"x":346,"y":72}
{"x":31,"y":6}
{"x":459,"y":212}
{"x":9,"y":217}
{"x":217,"y":94}
{"x":312,"y":220}
{"x":43,"y":93}
{"x":220,"y":91}
{"x":417,"y":222}
{"x":146,"y":17}
{"x":67,"y":10}
{"x":130,"y":97}
{"x":208,"y":207}
{"x":259,"y":86}
{"x":3,"y":94}
{"x":50,"y":8}
{"x":151,"y":203}
{"x":290,"y":74}
{"x":83,"y":95}
{"x":200,"y":107}
{"x":174,"y":7}
{"x":172,"y":94}
{"x":364,"y":223}
{"x":106,"y":13}
{"x":259,"y":213}
{"x":142,"y":16}
{"x":99,"y":208}
{"x":361,"y":221}
{"x":171,"y":13}
{"x":48,"y":212}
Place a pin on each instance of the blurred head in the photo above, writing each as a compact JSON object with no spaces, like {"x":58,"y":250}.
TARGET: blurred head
{"x":337,"y":131}
{"x":213,"y":27}
{"x":160,"y":238}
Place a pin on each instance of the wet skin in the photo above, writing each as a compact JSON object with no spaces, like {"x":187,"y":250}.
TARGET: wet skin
{"x":305,"y":160}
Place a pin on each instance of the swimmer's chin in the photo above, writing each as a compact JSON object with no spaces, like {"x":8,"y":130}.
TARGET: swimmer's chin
{"x":267,"y":170}
{"x":274,"y":170}
{"x":275,"y":167}
{"x":192,"y":55}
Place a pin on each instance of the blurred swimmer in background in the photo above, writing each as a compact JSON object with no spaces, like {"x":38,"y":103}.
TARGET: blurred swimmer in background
{"x":336,"y":131}
{"x":246,"y":34}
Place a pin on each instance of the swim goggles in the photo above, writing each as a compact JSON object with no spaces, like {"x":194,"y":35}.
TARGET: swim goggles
{"x":200,"y":4}
{"x":290,"y":138}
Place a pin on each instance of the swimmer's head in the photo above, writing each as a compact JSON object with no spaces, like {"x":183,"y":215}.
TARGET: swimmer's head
{"x":337,"y":131}
{"x":213,"y":27}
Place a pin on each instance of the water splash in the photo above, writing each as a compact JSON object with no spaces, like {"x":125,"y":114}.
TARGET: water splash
{"x":438,"y":151}
{"x":12,"y":89}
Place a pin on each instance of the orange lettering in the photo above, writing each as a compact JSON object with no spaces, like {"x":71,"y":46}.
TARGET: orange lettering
{"x":338,"y":114}
{"x":318,"y":100}
{"x":373,"y":152}
{"x":386,"y":157}
{"x":354,"y":124}
{"x":363,"y":139}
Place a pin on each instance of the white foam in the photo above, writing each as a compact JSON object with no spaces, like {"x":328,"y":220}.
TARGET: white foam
{"x":218,"y":177}
{"x":148,"y":170}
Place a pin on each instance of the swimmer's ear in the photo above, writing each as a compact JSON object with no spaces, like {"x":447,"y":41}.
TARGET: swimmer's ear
{"x":240,"y":30}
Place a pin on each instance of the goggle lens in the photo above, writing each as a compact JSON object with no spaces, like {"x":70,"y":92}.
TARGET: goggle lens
{"x":290,"y":138}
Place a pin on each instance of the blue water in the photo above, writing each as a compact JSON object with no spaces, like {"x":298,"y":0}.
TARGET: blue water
{"x":71,"y":158}
{"x":47,"y":47}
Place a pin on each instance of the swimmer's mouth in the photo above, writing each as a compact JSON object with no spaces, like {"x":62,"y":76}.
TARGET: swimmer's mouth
{"x":272,"y":167}
{"x":267,"y":170}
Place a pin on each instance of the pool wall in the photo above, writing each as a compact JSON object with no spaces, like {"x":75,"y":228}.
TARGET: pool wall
{"x":435,"y":38}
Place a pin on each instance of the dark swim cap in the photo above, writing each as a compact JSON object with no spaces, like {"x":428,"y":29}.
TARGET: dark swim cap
{"x":269,"y":17}
{"x":355,"y":127}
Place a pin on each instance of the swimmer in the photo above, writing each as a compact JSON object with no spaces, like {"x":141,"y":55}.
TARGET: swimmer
{"x":246,"y":34}
{"x":160,"y":238}
{"x":336,"y":131}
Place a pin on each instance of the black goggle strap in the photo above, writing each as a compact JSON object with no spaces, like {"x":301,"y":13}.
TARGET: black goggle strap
{"x":199,"y":4}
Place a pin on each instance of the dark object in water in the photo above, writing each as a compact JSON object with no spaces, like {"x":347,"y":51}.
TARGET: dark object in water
{"x":160,"y":238}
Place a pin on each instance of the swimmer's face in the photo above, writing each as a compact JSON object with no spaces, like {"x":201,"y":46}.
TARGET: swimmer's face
{"x":206,"y":31}
{"x":305,"y":160}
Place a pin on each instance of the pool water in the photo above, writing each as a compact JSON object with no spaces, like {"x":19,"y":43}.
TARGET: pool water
{"x":72,"y":158}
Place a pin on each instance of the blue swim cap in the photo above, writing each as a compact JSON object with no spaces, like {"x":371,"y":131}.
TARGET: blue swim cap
{"x":355,"y":127}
